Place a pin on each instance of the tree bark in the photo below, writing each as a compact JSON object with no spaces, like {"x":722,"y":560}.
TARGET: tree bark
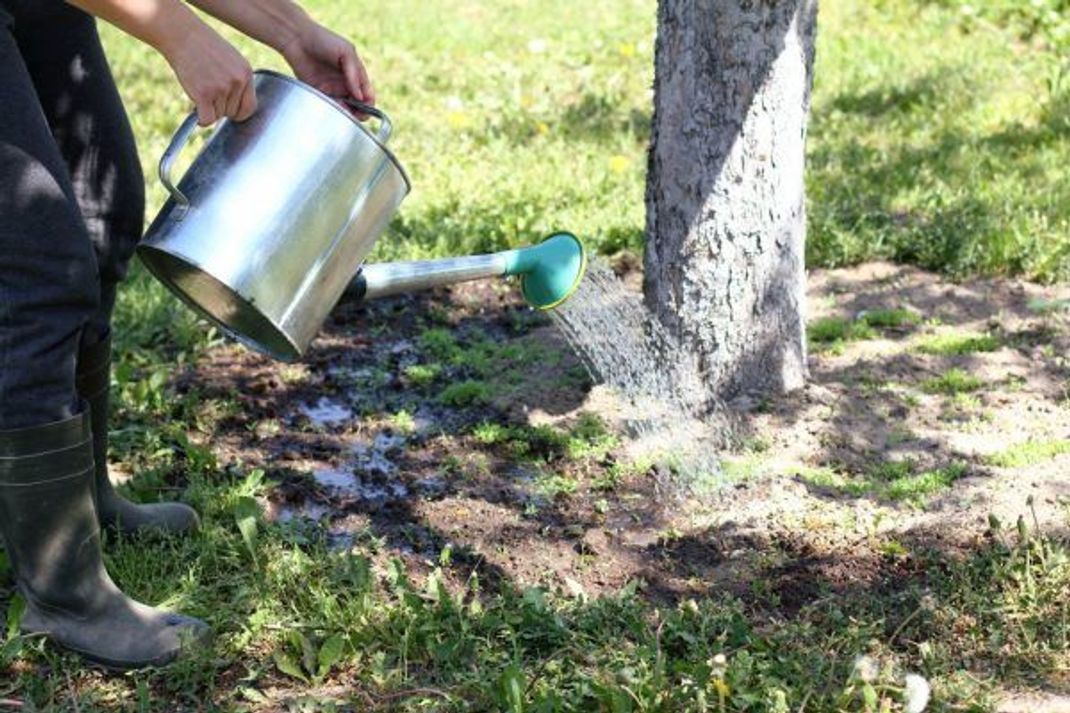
{"x":725,"y":200}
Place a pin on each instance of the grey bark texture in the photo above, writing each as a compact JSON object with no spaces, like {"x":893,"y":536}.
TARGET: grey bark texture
{"x":725,"y":200}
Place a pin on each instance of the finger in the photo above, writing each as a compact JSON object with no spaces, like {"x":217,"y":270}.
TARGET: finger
{"x":206,"y":114}
{"x":351,"y":70}
{"x":219,"y":104}
{"x":366,"y":86}
{"x":248,"y":102}
{"x":233,"y":101}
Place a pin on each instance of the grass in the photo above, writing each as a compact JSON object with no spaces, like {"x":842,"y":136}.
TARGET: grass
{"x":515,"y":119}
{"x":414,"y":642}
{"x":952,"y":382}
{"x":934,"y":155}
{"x":895,"y":481}
{"x":919,"y":487}
{"x":950,"y":155}
{"x":832,"y":334}
{"x":956,"y":344}
{"x":1029,"y":453}
{"x":588,"y":439}
{"x":895,"y":318}
{"x":465,"y":393}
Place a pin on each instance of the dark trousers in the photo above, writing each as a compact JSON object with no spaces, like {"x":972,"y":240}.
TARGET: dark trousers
{"x":71,"y":204}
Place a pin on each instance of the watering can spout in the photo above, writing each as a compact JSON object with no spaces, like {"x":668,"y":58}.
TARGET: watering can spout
{"x":549,"y":272}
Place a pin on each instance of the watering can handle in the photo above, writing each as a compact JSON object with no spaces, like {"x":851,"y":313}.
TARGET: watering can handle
{"x":385,"y":127}
{"x":180,"y":139}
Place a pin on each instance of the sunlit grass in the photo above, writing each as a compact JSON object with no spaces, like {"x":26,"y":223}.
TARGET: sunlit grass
{"x":958,"y":344}
{"x":951,"y":382}
{"x":1029,"y":453}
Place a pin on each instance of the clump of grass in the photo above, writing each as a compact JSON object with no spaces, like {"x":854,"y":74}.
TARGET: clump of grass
{"x":958,"y":344}
{"x":890,"y":318}
{"x":440,"y":343}
{"x":403,"y":421}
{"x":831,"y":480}
{"x":917,"y":488}
{"x":951,"y":382}
{"x":465,"y":393}
{"x":892,"y":480}
{"x":588,"y":439}
{"x":1029,"y":453}
{"x":555,"y":485}
{"x":831,"y":334}
{"x":422,"y":374}
{"x":833,"y":329}
{"x":891,"y":471}
{"x":489,"y":432}
{"x":743,"y":468}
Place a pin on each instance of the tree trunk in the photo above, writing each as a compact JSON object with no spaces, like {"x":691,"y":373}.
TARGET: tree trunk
{"x":725,"y":200}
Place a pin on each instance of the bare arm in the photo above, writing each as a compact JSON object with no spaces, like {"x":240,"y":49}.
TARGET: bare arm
{"x":317,"y":55}
{"x":155,"y":22}
{"x":214,"y":75}
{"x":276,"y":23}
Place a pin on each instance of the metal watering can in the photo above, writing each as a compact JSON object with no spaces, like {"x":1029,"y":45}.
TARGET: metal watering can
{"x":271,"y":223}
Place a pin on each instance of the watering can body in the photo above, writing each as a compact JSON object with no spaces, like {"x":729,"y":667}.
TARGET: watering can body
{"x":274,"y":216}
{"x":269,"y":226}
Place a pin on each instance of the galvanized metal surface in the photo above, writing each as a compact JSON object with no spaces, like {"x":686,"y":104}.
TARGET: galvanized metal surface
{"x":392,"y":278}
{"x":274,"y":216}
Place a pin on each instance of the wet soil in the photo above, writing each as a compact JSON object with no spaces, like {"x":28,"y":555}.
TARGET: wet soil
{"x":360,"y":449}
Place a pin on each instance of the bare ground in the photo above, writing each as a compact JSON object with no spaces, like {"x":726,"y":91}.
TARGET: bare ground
{"x":349,"y":469}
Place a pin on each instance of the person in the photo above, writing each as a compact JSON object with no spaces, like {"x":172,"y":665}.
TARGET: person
{"x":71,"y":212}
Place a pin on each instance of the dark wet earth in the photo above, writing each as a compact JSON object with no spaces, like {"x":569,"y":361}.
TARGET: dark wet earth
{"x":363,"y":449}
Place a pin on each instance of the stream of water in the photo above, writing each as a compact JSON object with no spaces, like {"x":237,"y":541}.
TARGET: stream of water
{"x":666,"y":408}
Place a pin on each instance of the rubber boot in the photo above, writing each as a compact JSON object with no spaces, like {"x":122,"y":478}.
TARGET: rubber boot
{"x":49,"y":525}
{"x":116,"y":512}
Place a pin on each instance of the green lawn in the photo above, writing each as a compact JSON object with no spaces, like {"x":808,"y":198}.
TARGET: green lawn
{"x":937,"y":137}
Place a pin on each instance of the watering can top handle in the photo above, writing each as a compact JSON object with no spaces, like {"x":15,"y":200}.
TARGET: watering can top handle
{"x":167,"y":161}
{"x":385,"y":126}
{"x":185,"y":131}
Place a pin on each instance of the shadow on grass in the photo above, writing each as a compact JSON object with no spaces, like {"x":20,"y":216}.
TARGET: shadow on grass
{"x":927,"y":201}
{"x":925,"y":93}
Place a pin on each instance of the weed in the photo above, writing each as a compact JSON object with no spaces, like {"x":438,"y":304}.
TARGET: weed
{"x":952,"y":381}
{"x":828,"y":479}
{"x":893,"y":480}
{"x":891,"y":471}
{"x":422,"y":374}
{"x":465,"y":393}
{"x":917,"y":488}
{"x":554,"y":485}
{"x":956,"y":344}
{"x":1029,"y":453}
{"x":833,"y":330}
{"x":403,"y":421}
{"x":490,"y":433}
{"x":890,"y":318}
{"x":745,"y":468}
{"x":1047,"y":307}
{"x":590,"y":438}
{"x":440,"y":343}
